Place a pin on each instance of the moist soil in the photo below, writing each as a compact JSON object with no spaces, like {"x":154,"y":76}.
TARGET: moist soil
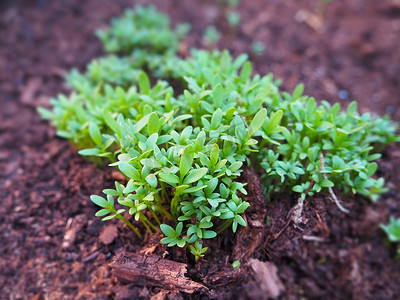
{"x":52,"y":246}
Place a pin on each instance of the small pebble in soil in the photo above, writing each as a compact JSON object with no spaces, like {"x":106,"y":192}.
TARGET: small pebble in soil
{"x":390,"y":109}
{"x":376,"y":98}
{"x":343,"y":95}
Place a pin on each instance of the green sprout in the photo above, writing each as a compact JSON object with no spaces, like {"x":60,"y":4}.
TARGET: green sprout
{"x":236,"y":264}
{"x":197,"y":250}
{"x":257,"y":47}
{"x":211,"y":36}
{"x":233,"y":18}
{"x":392,"y":231}
{"x":182,"y":147}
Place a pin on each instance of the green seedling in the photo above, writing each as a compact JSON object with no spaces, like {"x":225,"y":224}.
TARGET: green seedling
{"x":182,"y":150}
{"x":236,"y":264}
{"x":233,"y":18}
{"x":392,"y":231}
{"x":257,"y":47}
{"x":211,"y":36}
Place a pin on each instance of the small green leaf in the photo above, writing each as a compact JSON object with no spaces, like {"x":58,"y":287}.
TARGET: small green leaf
{"x":111,"y":122}
{"x":195,"y":175}
{"x":214,"y":156}
{"x":218,"y":95}
{"x":169,"y":178}
{"x":236,"y":264}
{"x":102,"y":212}
{"x":95,"y":134}
{"x":153,"y":126}
{"x":257,"y":122}
{"x":326,"y":183}
{"x":235,"y":166}
{"x":194,"y":189}
{"x":144,"y":83}
{"x":100,"y":201}
{"x":298,"y":189}
{"x":209,"y":234}
{"x":128,"y":170}
{"x":168,"y":230}
{"x":246,"y":72}
{"x":179,"y":228}
{"x":186,"y":161}
{"x":152,"y":180}
{"x":150,"y":162}
{"x":216,"y":119}
{"x":298,"y":91}
{"x":89,"y":152}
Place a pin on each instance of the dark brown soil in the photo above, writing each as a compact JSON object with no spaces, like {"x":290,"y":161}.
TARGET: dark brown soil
{"x":52,"y":246}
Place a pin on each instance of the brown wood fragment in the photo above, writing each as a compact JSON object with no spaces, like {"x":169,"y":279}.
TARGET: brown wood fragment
{"x":73,"y":226}
{"x":249,"y":238}
{"x":266,"y":278}
{"x":152,"y":270}
{"x":164,"y":294}
{"x":108,"y":234}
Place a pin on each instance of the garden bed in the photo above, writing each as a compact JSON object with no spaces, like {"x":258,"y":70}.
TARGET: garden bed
{"x":51,"y":245}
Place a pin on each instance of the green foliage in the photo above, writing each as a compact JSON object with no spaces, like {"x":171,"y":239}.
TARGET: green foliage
{"x":392,"y":231}
{"x":141,"y":29}
{"x":257,"y":47}
{"x":233,"y":18}
{"x":236,"y":264}
{"x":211,"y":36}
{"x":197,"y":250}
{"x":346,"y":139}
{"x":182,"y":150}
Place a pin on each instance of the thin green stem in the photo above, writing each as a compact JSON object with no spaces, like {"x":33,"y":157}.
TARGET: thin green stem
{"x":141,"y":217}
{"x":224,"y":226}
{"x":135,"y":230}
{"x":174,"y":206}
{"x":160,"y":204}
{"x":153,"y":214}
{"x":146,"y":220}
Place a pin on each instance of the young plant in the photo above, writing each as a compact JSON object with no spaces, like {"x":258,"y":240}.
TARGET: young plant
{"x":233,"y":18}
{"x":392,"y":231}
{"x":142,"y":29}
{"x":182,"y":150}
{"x":257,"y":47}
{"x":211,"y":36}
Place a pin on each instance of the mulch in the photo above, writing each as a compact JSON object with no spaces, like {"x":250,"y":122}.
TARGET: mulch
{"x":52,"y":246}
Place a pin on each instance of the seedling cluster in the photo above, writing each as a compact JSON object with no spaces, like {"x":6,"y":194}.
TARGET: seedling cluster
{"x":182,"y":146}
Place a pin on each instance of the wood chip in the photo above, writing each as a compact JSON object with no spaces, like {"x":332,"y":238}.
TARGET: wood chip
{"x":30,"y":90}
{"x":266,"y":275}
{"x":152,"y":270}
{"x":72,"y":227}
{"x":108,"y":234}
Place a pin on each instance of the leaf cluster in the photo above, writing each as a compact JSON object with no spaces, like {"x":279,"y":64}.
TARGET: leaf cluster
{"x":183,"y":149}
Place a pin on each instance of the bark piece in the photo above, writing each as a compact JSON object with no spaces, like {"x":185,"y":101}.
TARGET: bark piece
{"x":146,"y":270}
{"x":249,"y":238}
{"x":266,"y":278}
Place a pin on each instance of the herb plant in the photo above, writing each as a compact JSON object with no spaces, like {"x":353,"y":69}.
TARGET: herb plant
{"x":182,"y":148}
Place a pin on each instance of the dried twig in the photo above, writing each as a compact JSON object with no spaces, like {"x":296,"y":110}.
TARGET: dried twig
{"x":335,"y":199}
{"x":151,"y":270}
{"x":313,"y":238}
